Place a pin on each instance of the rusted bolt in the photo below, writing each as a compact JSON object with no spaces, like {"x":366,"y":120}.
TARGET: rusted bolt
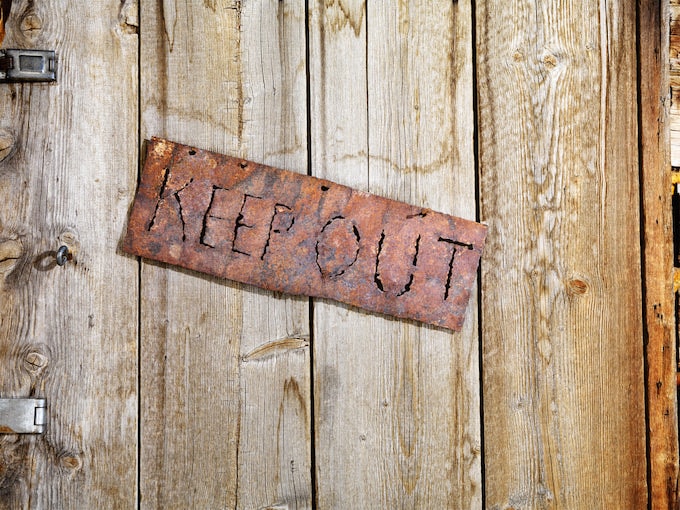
{"x":63,"y":255}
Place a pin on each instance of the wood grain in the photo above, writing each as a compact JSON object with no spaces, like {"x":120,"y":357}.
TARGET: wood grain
{"x":674,"y":78}
{"x":226,"y":411}
{"x":225,"y":368}
{"x":68,"y":165}
{"x":659,"y":299}
{"x":391,"y":110}
{"x":564,"y":417}
{"x":274,"y":462}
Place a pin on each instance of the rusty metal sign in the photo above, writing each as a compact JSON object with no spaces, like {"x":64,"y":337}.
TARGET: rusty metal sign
{"x":297,"y":234}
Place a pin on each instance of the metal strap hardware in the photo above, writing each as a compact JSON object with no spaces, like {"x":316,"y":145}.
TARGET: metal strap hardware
{"x":27,"y":65}
{"x":22,"y":415}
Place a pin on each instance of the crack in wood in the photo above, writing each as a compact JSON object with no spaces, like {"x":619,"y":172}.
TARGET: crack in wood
{"x":276,"y":347}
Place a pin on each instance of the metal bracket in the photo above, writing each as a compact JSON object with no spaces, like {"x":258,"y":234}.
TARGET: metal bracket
{"x":27,"y":65}
{"x":23,"y":415}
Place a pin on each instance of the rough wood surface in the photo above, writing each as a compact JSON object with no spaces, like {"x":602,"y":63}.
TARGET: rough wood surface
{"x":225,"y":369}
{"x":68,"y":169}
{"x":392,"y":113}
{"x":674,"y":63}
{"x":274,"y":464}
{"x":659,"y":300}
{"x":564,"y":414}
{"x":226,"y":416}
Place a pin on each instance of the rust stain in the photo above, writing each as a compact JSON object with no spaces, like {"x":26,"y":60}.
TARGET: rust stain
{"x":293,"y":402}
{"x":301,"y":235}
{"x":445,"y":159}
{"x":5,"y":6}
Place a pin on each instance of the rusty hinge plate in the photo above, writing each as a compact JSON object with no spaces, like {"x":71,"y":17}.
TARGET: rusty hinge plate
{"x":297,"y":234}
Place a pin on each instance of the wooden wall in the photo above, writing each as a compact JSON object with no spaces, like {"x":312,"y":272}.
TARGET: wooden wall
{"x":169,"y":389}
{"x":70,"y":334}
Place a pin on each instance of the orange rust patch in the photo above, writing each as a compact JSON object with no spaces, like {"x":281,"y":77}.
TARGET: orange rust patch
{"x":297,"y":234}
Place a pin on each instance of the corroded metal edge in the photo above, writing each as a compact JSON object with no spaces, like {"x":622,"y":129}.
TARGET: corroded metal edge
{"x":297,"y":234}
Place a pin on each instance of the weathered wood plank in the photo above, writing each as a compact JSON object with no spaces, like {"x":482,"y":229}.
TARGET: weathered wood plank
{"x":226,"y":396}
{"x":189,"y":326}
{"x":67,"y":175}
{"x":564,"y":418}
{"x":674,"y":64}
{"x":658,"y":255}
{"x":275,"y":444}
{"x":343,"y":422}
{"x":392,"y":114}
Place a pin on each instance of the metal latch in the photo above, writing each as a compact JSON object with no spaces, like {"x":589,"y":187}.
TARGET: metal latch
{"x":22,"y":415}
{"x":27,"y":65}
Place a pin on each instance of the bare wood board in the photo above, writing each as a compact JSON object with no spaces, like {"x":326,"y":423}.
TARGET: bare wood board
{"x":223,"y":365}
{"x":69,"y":334}
{"x":392,"y":114}
{"x":564,"y":403}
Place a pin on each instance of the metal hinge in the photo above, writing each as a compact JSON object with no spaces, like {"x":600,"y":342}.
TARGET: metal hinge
{"x":22,"y":415}
{"x":27,"y":65}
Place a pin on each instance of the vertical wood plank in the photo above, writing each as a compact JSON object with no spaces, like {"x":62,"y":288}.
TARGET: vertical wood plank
{"x":344,"y":425}
{"x":274,"y":459}
{"x":68,"y":167}
{"x":391,"y":110}
{"x":674,"y":78}
{"x":564,"y":418}
{"x":658,"y":255}
{"x":190,"y":326}
{"x":225,"y":368}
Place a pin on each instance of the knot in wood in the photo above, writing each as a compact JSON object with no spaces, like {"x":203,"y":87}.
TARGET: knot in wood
{"x":31,"y":24}
{"x":577,"y":287}
{"x":70,"y":461}
{"x":35,"y":361}
{"x":7,"y":144}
